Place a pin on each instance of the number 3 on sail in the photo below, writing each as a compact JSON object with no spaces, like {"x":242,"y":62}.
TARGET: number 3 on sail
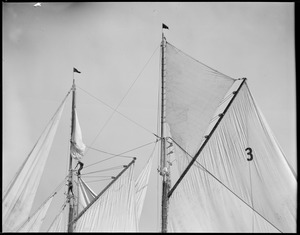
{"x":249,"y":153}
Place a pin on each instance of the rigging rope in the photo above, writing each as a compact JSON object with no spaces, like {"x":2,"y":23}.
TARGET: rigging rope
{"x":95,"y":176}
{"x":107,"y":169}
{"x":61,"y":210}
{"x":93,"y":181}
{"x":115,"y":109}
{"x":52,"y":195}
{"x":225,"y":185}
{"x":101,"y":151}
{"x":121,"y":153}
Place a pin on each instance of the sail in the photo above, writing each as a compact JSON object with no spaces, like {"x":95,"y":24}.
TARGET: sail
{"x":240,"y":182}
{"x":141,"y":186}
{"x":86,"y":194}
{"x":114,"y":210}
{"x":193,"y":91}
{"x":34,"y":223}
{"x":77,"y":146}
{"x":59,"y":223}
{"x":18,"y":200}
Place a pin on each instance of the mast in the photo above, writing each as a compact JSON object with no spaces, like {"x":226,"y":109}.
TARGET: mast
{"x":70,"y":179}
{"x":163,"y":165}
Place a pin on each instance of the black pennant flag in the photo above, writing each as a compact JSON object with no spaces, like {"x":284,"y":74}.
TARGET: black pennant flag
{"x":76,"y":71}
{"x":164,"y":26}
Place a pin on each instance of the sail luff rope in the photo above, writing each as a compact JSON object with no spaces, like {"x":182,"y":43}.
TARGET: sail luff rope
{"x":223,"y":185}
{"x":115,"y":109}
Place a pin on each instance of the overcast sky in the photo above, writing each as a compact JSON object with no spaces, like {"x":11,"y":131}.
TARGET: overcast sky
{"x":111,"y":44}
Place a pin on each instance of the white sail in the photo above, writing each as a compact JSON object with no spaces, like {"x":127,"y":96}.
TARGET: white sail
{"x":86,"y":194}
{"x":77,"y":146}
{"x":241,"y":181}
{"x":18,"y":200}
{"x":193,"y":92}
{"x":114,"y":210}
{"x":141,"y":186}
{"x":59,"y":223}
{"x":34,"y":223}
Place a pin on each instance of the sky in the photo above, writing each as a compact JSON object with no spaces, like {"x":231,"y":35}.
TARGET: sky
{"x":115,"y":45}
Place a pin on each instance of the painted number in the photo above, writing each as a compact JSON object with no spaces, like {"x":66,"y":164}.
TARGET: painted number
{"x":249,"y":153}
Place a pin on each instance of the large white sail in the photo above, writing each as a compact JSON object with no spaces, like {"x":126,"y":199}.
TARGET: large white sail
{"x":193,"y":92}
{"x":34,"y":223}
{"x":18,"y":200}
{"x":141,"y":186}
{"x":86,"y":194}
{"x":114,"y":210}
{"x":241,"y":181}
{"x":59,"y":223}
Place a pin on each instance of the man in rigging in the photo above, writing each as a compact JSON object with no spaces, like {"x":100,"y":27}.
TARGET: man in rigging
{"x":80,"y":167}
{"x":70,"y":187}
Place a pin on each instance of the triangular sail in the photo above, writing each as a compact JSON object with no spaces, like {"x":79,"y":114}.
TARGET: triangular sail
{"x":114,"y":210}
{"x":241,"y":181}
{"x":59,"y":223}
{"x":193,"y":92}
{"x":141,"y":186}
{"x":34,"y":223}
{"x":86,"y":194}
{"x":18,"y":200}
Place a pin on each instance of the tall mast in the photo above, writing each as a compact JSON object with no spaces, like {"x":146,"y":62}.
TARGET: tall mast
{"x":71,"y":198}
{"x":163,"y":165}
